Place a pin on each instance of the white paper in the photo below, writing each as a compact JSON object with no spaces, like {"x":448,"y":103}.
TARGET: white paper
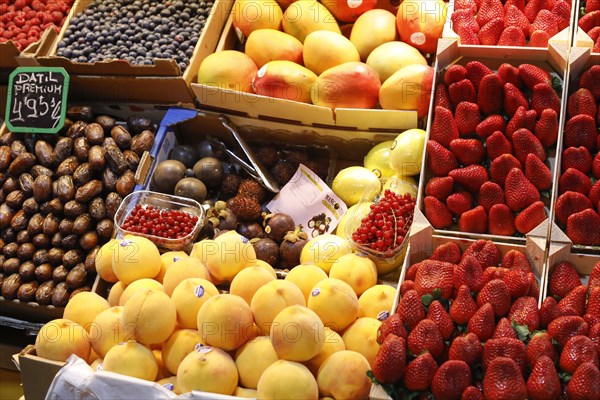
{"x":310,"y":202}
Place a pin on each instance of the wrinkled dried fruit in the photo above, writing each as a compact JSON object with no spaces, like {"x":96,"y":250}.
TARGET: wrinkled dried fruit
{"x":133,"y":160}
{"x":76,"y":130}
{"x":42,"y":188}
{"x":81,"y":148}
{"x":67,"y":167}
{"x":60,"y":295}
{"x":121,"y":136}
{"x":83,"y":174}
{"x":88,"y":191}
{"x":105,"y":228}
{"x":43,"y":294}
{"x":10,"y":286}
{"x":59,"y":274}
{"x":65,"y":188}
{"x":126,"y":183}
{"x":19,"y":221}
{"x":94,"y":133}
{"x":97,"y":209}
{"x":96,"y":158}
{"x":76,"y":277}
{"x":74,"y":209}
{"x":142,"y":142}
{"x":44,"y":153}
{"x":26,"y":292}
{"x":113,"y":201}
{"x":115,"y":159}
{"x":21,"y":164}
{"x":63,"y":149}
{"x":43,"y":273}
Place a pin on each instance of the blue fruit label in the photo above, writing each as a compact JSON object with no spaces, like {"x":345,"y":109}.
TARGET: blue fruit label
{"x":169,"y":386}
{"x":99,"y":367}
{"x":315,"y":292}
{"x":202,"y":349}
{"x":383,"y":315}
{"x":126,"y":242}
{"x":199,"y":291}
{"x":175,"y":259}
{"x":244,"y":239}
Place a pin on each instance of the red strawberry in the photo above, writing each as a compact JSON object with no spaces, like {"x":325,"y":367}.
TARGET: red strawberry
{"x":391,"y":325}
{"x":594,"y":334}
{"x":466,"y":34}
{"x":433,"y":275}
{"x":490,"y":194}
{"x":412,"y":272}
{"x":443,"y":128}
{"x":468,"y":273}
{"x":570,"y":203}
{"x":471,"y":393}
{"x":490,"y":92}
{"x":525,"y":143}
{"x":534,"y":288}
{"x":411,"y":309}
{"x":475,"y":69}
{"x":439,"y":159}
{"x":390,"y":362}
{"x":546,"y":128}
{"x":562,"y":328}
{"x":442,"y":97}
{"x":594,"y":280}
{"x":515,"y":17}
{"x":543,"y":383}
{"x":573,"y":180}
{"x":520,"y":4}
{"x":503,"y":380}
{"x":489,"y":10}
{"x":522,"y":119}
{"x":524,"y":311}
{"x":474,"y":221}
{"x":594,"y":194}
{"x":513,"y":99}
{"x":594,"y":33}
{"x":501,"y":221}
{"x":578,"y":158}
{"x":497,"y":144}
{"x":491,"y":31}
{"x":589,"y":78}
{"x":467,"y":117}
{"x":485,"y":251}
{"x":517,"y":282}
{"x":545,"y":21}
{"x":592,"y":319}
{"x":532,"y":74}
{"x":406,"y":286}
{"x":596,"y":164}
{"x":489,"y":125}
{"x":462,"y":91}
{"x":549,"y":311}
{"x":592,"y":5}
{"x":540,"y":345}
{"x":507,"y":72}
{"x":468,"y":151}
{"x":440,"y":188}
{"x":563,"y":279}
{"x":420,"y":372}
{"x":519,"y":192}
{"x":574,"y":302}
{"x":578,"y":350}
{"x":585,"y":383}
{"x":505,"y":347}
{"x":426,"y":337}
{"x":530,"y":218}
{"x":450,"y":380}
{"x":460,"y":202}
{"x":562,"y":11}
{"x":470,"y":5}
{"x":482,"y":322}
{"x":455,"y":73}
{"x":466,"y":348}
{"x":470,"y":177}
{"x":437,"y":313}
{"x":539,"y":38}
{"x":449,"y":252}
{"x":514,"y":259}
{"x":581,"y":102}
{"x":537,"y":172}
{"x":491,"y":273}
{"x":504,"y":329}
{"x":496,"y":293}
{"x":581,"y":131}
{"x":543,"y":97}
{"x":463,"y":307}
{"x":512,"y":36}
{"x":464,"y":19}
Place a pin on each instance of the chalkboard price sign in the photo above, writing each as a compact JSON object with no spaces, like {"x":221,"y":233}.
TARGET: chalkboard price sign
{"x":37,"y":99}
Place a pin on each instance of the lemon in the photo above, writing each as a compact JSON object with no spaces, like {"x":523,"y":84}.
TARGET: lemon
{"x":355,"y":183}
{"x":324,"y":251}
{"x":377,"y":160}
{"x":406,"y":153}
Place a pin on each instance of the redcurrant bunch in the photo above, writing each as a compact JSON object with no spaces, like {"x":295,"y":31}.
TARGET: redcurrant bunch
{"x":169,"y":224}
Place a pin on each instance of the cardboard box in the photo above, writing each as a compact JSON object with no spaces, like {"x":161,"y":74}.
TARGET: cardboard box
{"x":115,"y":80}
{"x":268,"y":108}
{"x":9,"y":54}
{"x":553,"y":59}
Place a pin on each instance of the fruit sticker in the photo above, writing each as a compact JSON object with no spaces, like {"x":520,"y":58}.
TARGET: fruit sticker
{"x":315,"y":292}
{"x":169,"y":386}
{"x":383,"y":315}
{"x":199,"y":291}
{"x":202,"y":349}
{"x":354,"y":3}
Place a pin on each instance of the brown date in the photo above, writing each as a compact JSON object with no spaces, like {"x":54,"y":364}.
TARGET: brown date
{"x":115,"y":159}
{"x":81,"y":148}
{"x":15,"y":199}
{"x":88,"y":191}
{"x":23,"y":237}
{"x":55,"y":256}
{"x":105,"y":228}
{"x":54,"y":206}
{"x":26,"y":292}
{"x":83,"y":174}
{"x":80,"y":113}
{"x":50,"y":225}
{"x":43,"y":295}
{"x":40,"y":241}
{"x":74,"y":209}
{"x":133,"y":160}
{"x":44,"y":153}
{"x":57,"y":239}
{"x":25,"y":252}
{"x":43,"y":273}
{"x":89,"y":240}
{"x":26,"y":183}
{"x":60,"y":295}
{"x":121,"y":136}
{"x":90,"y":260}
{"x":5,"y":157}
{"x":40,"y":257}
{"x":42,"y":188}
{"x":67,"y":167}
{"x":106,"y":122}
{"x":7,"y":138}
{"x":108,"y":141}
{"x":76,"y":277}
{"x":126,"y":183}
{"x":10,"y":286}
{"x":17,"y":148}
{"x":72,"y":258}
{"x":38,"y":170}
{"x":94,"y":133}
{"x":10,"y":184}
{"x":6,"y":215}
{"x":65,"y":188}
{"x":1,"y":279}
{"x":21,"y":164}
{"x":10,"y":250}
{"x":66,"y":227}
{"x":96,"y":158}
{"x":63,"y":149}
{"x":113,"y":201}
{"x":97,"y":209}
{"x":142,"y":142}
{"x":30,"y":206}
{"x":36,"y":224}
{"x":11,"y":265}
{"x":109,"y":179}
{"x":70,"y":241}
{"x":8,"y":235}
{"x":82,"y":224}
{"x":27,"y":271}
{"x":138,"y":124}
{"x":19,"y":221}
{"x":76,"y":130}
{"x":59,"y":274}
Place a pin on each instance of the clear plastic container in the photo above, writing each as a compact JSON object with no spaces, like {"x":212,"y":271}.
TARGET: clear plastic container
{"x":163,"y":202}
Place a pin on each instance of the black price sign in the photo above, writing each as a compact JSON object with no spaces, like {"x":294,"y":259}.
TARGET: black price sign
{"x":37,"y":99}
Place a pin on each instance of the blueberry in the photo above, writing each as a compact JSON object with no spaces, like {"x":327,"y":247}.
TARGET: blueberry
{"x":182,"y":66}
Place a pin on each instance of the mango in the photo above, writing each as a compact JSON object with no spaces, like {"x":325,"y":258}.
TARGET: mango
{"x":357,"y":270}
{"x":305,"y":16}
{"x":297,"y":334}
{"x":335,"y":302}
{"x":342,"y":376}
{"x":131,"y":359}
{"x":349,"y":85}
{"x":230,"y":254}
{"x":333,"y":343}
{"x":305,"y":276}
{"x":182,"y":269}
{"x":188,"y":297}
{"x":245,"y":393}
{"x":372,"y":29}
{"x":409,"y":88}
{"x":166,"y":260}
{"x":60,"y":338}
{"x":135,"y":258}
{"x":284,"y":80}
{"x":287,"y":380}
{"x":270,"y":299}
{"x":266,"y":45}
{"x":376,"y":302}
{"x":228,"y":69}
{"x":248,"y":281}
{"x":325,"y":49}
{"x":141,"y":313}
{"x":207,"y":369}
{"x":225,"y":321}
{"x":84,"y":307}
{"x":181,"y":343}
{"x":115,"y":292}
{"x":389,"y":57}
{"x":421,"y":22}
{"x":140,"y":284}
{"x":361,"y":337}
{"x":104,"y":259}
{"x":251,"y":15}
{"x":350,"y":10}
{"x":253,"y":358}
{"x":324,"y":251}
{"x":108,"y":330}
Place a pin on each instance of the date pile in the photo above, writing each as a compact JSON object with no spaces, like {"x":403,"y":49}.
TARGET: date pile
{"x":58,"y":198}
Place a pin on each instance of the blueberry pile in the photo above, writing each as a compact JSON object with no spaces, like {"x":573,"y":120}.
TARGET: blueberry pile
{"x":137,"y":31}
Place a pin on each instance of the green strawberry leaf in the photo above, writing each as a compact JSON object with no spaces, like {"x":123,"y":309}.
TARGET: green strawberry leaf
{"x":522,"y":331}
{"x":477,"y":372}
{"x":446,"y":304}
{"x":557,"y":84}
{"x":411,"y":395}
{"x":462,"y":328}
{"x":565,"y":376}
{"x":426,"y":299}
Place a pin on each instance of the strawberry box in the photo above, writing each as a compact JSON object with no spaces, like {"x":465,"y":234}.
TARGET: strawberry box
{"x":576,"y":195}
{"x":485,"y":172}
{"x":587,"y":25}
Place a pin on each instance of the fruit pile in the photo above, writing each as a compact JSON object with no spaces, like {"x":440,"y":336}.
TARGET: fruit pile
{"x":169,"y":224}
{"x":514,"y":23}
{"x":24,"y":21}
{"x":590,"y":21}
{"x":137,"y":32}
{"x":332,"y":301}
{"x":295,"y":50}
{"x":465,"y":328}
{"x":578,"y":205}
{"x":488,"y":148}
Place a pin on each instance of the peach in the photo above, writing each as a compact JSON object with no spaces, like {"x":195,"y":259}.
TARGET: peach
{"x":376,"y":302}
{"x":182,"y":269}
{"x":245,"y":393}
{"x":141,"y":314}
{"x":135,"y":258}
{"x":270,"y":299}
{"x":248,"y":281}
{"x":344,"y":376}
{"x":361,"y":337}
{"x":287,"y":380}
{"x":188,"y":297}
{"x":297,"y":334}
{"x":131,"y":359}
{"x":306,"y":276}
{"x":166,"y":260}
{"x":108,"y":330}
{"x":333,"y":343}
{"x":181,"y":343}
{"x":60,"y":338}
{"x":139,"y":285}
{"x":207,"y":369}
{"x":266,"y":45}
{"x":356,"y":270}
{"x":169,"y":383}
{"x":324,"y":251}
{"x":104,"y":259}
{"x":253,"y":358}
{"x":335,"y":302}
{"x":84,"y":307}
{"x":162,"y":370}
{"x":231,"y":254}
{"x":115,"y":292}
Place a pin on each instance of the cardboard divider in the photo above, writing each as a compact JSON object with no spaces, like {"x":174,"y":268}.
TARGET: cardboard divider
{"x":9,"y":54}
{"x":580,"y":37}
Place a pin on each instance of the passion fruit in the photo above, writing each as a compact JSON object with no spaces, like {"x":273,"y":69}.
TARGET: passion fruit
{"x":209,"y":170}
{"x":185,"y":154}
{"x":191,"y":188}
{"x":167,"y":174}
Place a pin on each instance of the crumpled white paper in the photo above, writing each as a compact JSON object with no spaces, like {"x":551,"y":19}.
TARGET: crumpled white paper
{"x":76,"y":380}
